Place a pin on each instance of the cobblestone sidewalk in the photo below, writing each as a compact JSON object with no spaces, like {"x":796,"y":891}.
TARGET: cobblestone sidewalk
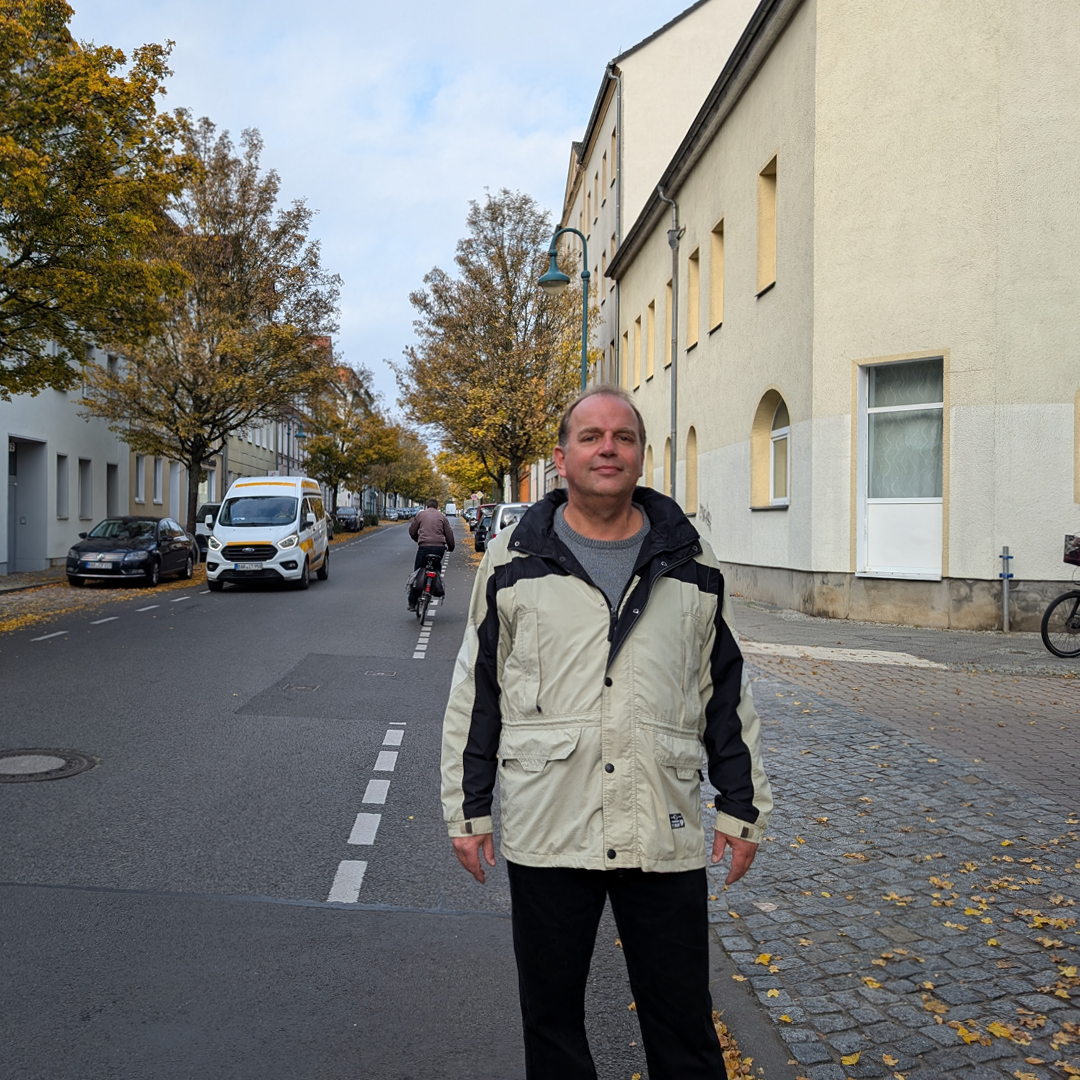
{"x":912,"y":914}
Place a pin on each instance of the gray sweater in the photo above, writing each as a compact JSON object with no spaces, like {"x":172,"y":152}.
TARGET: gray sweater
{"x":610,"y":563}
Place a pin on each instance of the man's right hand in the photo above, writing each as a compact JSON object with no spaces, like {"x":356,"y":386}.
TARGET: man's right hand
{"x":467,"y":849}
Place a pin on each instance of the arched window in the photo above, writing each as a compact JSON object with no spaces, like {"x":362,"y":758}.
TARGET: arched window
{"x":770,"y":453}
{"x":691,"y":501}
{"x":779,"y":456}
{"x":647,"y":479}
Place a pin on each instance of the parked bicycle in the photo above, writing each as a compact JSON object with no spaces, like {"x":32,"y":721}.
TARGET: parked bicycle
{"x":1061,"y":620}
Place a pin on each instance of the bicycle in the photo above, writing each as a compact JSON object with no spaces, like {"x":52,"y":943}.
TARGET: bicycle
{"x":423,"y":601}
{"x":1061,"y":620}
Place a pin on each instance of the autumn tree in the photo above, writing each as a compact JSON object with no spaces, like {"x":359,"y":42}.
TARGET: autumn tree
{"x":410,"y":472}
{"x":245,"y":340}
{"x":86,"y":166}
{"x":497,"y":359}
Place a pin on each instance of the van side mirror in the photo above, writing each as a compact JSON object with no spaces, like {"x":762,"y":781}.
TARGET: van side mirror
{"x":208,"y":521}
{"x":310,"y":519}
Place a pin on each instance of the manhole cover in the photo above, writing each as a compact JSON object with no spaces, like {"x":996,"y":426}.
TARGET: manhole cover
{"x":24,"y":766}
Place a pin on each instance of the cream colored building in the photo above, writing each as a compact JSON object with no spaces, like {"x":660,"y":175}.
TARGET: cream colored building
{"x":878,"y":382}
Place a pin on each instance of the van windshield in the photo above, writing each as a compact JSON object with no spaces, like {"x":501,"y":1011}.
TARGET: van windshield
{"x":249,"y":511}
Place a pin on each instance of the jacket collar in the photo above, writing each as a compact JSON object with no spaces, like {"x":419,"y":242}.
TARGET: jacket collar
{"x":670,"y":529}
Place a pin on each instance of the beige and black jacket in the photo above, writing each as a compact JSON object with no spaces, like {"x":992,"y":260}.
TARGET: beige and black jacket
{"x":598,"y":724}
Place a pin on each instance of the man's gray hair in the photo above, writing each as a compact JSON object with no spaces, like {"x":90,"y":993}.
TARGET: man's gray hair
{"x":433,"y":504}
{"x":595,"y":391}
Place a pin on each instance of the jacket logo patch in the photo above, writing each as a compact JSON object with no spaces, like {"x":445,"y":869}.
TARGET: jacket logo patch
{"x":676,"y":821}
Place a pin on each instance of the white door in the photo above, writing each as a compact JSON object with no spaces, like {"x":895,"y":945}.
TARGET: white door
{"x":900,"y":469}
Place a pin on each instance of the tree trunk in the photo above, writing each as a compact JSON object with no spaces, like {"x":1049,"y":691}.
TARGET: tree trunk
{"x":333,"y":500}
{"x":192,"y":495}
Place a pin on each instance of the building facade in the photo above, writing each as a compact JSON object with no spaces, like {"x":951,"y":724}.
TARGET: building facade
{"x":877,"y":386}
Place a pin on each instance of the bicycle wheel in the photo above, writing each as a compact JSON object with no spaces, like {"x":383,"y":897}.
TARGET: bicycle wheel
{"x":1061,"y":625}
{"x":422,"y":605}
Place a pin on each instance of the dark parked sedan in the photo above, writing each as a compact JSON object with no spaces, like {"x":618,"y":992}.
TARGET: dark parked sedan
{"x":132,"y":547}
{"x":348,"y":518}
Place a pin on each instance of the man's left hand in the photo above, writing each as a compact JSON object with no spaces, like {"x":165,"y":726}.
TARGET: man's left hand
{"x":742,"y":854}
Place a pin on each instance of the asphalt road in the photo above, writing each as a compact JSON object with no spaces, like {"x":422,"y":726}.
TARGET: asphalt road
{"x":170,"y":913}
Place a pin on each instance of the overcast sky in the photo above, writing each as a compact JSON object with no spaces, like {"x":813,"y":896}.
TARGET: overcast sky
{"x":388,"y":118}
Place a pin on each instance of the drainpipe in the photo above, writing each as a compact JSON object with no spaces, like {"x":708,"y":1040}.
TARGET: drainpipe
{"x":617,"y":165}
{"x":673,"y":236}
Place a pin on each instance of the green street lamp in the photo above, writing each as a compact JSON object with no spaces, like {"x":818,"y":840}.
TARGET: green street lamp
{"x":553,"y":283}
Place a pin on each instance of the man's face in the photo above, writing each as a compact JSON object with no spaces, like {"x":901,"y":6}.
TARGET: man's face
{"x":603,"y":455}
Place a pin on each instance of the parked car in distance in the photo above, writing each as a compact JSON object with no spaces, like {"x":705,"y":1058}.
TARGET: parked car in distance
{"x":348,"y":519}
{"x":482,"y":511}
{"x":504,"y":515}
{"x":132,"y":548}
{"x":480,"y":533}
{"x":451,"y":509}
{"x":202,"y":530}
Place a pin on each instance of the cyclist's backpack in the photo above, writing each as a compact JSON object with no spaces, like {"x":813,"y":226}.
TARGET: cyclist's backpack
{"x":438,"y":590}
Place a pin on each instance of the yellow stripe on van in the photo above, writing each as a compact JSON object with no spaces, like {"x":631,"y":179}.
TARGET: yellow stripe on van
{"x":267,"y":483}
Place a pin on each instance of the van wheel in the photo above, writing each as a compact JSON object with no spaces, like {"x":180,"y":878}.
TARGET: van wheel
{"x":215,"y":586}
{"x":324,"y":571}
{"x":305,"y":577}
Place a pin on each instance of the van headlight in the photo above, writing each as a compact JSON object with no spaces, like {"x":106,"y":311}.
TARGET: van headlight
{"x":214,"y":544}
{"x":289,"y":542}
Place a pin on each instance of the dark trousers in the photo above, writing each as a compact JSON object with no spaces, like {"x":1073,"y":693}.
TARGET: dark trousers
{"x":421,"y":556}
{"x":663,"y":925}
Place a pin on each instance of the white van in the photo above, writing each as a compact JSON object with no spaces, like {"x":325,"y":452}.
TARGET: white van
{"x":269,"y":528}
{"x":451,"y":509}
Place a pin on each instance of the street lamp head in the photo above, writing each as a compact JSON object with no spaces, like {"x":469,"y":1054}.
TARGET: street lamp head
{"x":300,"y":432}
{"x":554,"y":281}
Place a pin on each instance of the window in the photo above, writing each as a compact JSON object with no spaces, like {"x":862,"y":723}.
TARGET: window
{"x":637,"y":352}
{"x":612,"y":284}
{"x":62,"y":486}
{"x":770,"y":453}
{"x":86,"y":489}
{"x":140,"y":478}
{"x":647,"y":479}
{"x":625,"y":380}
{"x":650,"y":340}
{"x":900,"y":468}
{"x":691,"y":501}
{"x":766,"y":261}
{"x":581,"y":221}
{"x":111,"y":366}
{"x":112,"y":489}
{"x":693,"y":285}
{"x":208,"y":487}
{"x":779,"y":456}
{"x":716,"y":276}
{"x":158,"y":471}
{"x":667,"y":325}
{"x":603,"y":273}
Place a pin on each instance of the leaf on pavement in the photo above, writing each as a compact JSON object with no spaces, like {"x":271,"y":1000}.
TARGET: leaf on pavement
{"x":890,"y":1060}
{"x":851,"y":1059}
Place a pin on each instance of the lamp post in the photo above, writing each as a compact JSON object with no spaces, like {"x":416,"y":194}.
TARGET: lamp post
{"x":553,"y":283}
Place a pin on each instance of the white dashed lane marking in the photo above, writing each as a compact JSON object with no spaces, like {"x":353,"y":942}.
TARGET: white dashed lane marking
{"x":179,"y":598}
{"x":347,"y":882}
{"x":45,"y":637}
{"x":150,"y":608}
{"x":376,"y":790}
{"x":386,"y":761}
{"x":393,"y":738}
{"x":111,"y":618}
{"x":364,"y":829}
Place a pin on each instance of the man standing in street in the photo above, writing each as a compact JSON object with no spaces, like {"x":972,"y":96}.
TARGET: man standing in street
{"x":433,"y":535}
{"x":598,"y":672}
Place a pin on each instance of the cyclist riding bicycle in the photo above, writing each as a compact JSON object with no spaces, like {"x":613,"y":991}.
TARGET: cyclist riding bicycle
{"x":433,"y":535}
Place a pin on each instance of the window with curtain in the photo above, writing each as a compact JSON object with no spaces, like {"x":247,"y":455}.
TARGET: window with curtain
{"x":904,"y":430}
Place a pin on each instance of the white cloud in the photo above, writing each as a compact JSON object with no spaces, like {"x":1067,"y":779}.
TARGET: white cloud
{"x":387,"y":118}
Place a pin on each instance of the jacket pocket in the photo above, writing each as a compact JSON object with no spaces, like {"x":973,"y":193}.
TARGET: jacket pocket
{"x":532,"y":750}
{"x":522,"y":671}
{"x":684,"y":755}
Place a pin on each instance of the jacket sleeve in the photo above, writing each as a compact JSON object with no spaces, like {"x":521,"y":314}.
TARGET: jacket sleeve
{"x":414,"y":527}
{"x":448,"y":533}
{"x":732,"y":735}
{"x":473,"y":720}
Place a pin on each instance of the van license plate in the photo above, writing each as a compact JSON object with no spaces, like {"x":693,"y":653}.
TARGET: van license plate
{"x":247,"y":566}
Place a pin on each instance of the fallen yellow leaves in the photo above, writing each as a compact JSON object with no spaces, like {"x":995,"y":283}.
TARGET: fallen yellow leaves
{"x":739,"y":978}
{"x":785,"y":1018}
{"x":932,"y":1005}
{"x":895,"y":898}
{"x":872,"y":983}
{"x":858,"y":856}
{"x":772,"y":993}
{"x":735,"y":1064}
{"x":632,"y":1006}
{"x":851,"y":1059}
{"x":890,"y":1060}
{"x":764,"y":959}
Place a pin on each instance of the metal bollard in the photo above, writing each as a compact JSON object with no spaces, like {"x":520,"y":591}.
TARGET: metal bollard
{"x":1006,"y":577}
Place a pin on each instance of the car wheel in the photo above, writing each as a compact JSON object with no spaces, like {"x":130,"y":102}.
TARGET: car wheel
{"x":215,"y":586}
{"x":324,"y":571}
{"x":76,"y":581}
{"x":153,"y":575}
{"x":189,"y":570}
{"x":305,"y":577}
